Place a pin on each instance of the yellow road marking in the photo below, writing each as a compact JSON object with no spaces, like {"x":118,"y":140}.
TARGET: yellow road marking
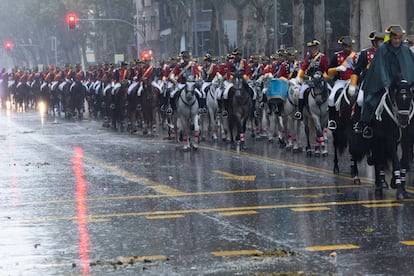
{"x":332,"y":247}
{"x":182,"y":194}
{"x":142,"y":258}
{"x":237,"y":213}
{"x":164,"y":217}
{"x":380,"y":205}
{"x":210,"y":210}
{"x":409,"y":243}
{"x":235,"y":176}
{"x":310,"y":209}
{"x":236,"y":253}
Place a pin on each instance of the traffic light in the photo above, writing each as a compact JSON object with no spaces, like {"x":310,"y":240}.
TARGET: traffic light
{"x":71,"y":19}
{"x":8,"y":45}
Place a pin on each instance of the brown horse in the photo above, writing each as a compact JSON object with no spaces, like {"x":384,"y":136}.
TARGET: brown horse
{"x":132,"y":104}
{"x":240,"y":109}
{"x":150,"y":105}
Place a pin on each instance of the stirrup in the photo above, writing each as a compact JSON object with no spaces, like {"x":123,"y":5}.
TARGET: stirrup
{"x":224,"y":113}
{"x":332,"y":125}
{"x":169,"y":111}
{"x":358,"y":128}
{"x":298,"y":115}
{"x":367,"y":132}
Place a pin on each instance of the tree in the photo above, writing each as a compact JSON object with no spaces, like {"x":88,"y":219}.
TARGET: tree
{"x":261,"y":9}
{"x":298,"y":17}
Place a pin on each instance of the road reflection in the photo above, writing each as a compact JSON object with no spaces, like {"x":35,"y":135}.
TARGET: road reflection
{"x":82,"y":215}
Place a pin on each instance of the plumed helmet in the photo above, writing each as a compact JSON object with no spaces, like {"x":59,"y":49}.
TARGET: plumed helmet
{"x":291,"y":51}
{"x":313,"y":42}
{"x":236,"y":51}
{"x":346,"y":40}
{"x":185,"y":54}
{"x":410,"y":39}
{"x":374,"y":35}
{"x":207,"y":57}
{"x":395,"y":30}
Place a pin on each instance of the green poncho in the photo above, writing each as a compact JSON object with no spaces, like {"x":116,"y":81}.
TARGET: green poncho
{"x":388,"y":63}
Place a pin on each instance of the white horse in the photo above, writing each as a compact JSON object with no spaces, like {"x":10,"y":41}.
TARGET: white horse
{"x":187,"y":116}
{"x":316,"y":114}
{"x":292,"y":126}
{"x":215,"y":122}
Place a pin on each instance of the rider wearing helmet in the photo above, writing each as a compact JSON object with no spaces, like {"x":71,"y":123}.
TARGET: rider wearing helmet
{"x":341,"y":68}
{"x":313,"y":62}
{"x":360,"y":70}
{"x":209,"y":71}
{"x":392,"y":60}
{"x":182,"y":71}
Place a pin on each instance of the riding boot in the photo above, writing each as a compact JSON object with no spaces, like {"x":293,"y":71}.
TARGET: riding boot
{"x":301,"y":105}
{"x":163,"y":103}
{"x":359,"y":125}
{"x":220,"y":106}
{"x":255,"y":112}
{"x":139,"y":103}
{"x":201,"y":105}
{"x":332,"y":115}
{"x":226,"y":107}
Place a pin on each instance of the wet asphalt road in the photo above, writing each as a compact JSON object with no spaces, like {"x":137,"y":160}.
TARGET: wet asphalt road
{"x":79,"y":199}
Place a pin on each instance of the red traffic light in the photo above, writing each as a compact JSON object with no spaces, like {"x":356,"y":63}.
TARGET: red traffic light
{"x":8,"y":45}
{"x":71,"y":19}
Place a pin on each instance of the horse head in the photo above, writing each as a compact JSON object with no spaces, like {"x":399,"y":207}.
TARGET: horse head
{"x":238,"y":82}
{"x":401,"y":96}
{"x":190,"y":86}
{"x":319,"y":88}
{"x":293,"y":90}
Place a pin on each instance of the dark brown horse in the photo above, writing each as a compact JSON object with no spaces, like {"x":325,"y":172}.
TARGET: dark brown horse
{"x":240,"y":109}
{"x":132,"y":104}
{"x":150,"y":106}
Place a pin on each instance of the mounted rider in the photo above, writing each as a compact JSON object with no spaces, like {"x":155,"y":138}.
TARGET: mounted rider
{"x":179,"y":76}
{"x":341,"y":67}
{"x":392,"y":60}
{"x":290,"y":67}
{"x":313,"y":62}
{"x":364,"y":61}
{"x":237,"y":64}
{"x":209,"y":71}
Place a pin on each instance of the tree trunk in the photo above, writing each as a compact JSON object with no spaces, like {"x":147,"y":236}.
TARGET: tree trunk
{"x":319,"y":22}
{"x":298,"y":17}
{"x":354,"y":22}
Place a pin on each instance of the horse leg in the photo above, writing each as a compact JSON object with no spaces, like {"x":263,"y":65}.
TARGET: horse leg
{"x":354,"y":171}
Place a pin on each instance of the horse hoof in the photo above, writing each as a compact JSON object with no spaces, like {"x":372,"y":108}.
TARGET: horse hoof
{"x":357,"y":181}
{"x":379,"y":194}
{"x":324,"y":154}
{"x":392,"y":184}
{"x":297,"y":150}
{"x":270,"y":141}
{"x":317,"y":154}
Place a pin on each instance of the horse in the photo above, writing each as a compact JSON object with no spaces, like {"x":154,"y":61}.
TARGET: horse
{"x":22,"y":96}
{"x":187,"y":116}
{"x":150,"y":105}
{"x":392,"y":115}
{"x":239,"y":109}
{"x":316,"y":114}
{"x":292,"y":126}
{"x":132,"y":104}
{"x":77,"y":93}
{"x":212,"y":107}
{"x":344,"y":135}
{"x":36,"y":92}
{"x":106,"y":104}
{"x":118,"y":103}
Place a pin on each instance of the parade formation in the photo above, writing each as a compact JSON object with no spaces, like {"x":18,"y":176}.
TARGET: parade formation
{"x":363,"y":97}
